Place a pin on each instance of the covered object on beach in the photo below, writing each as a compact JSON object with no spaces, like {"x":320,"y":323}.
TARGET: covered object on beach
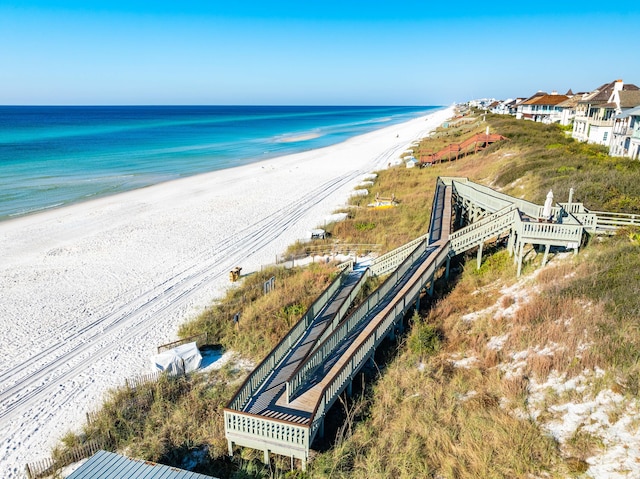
{"x":108,"y":464}
{"x":179,"y":360}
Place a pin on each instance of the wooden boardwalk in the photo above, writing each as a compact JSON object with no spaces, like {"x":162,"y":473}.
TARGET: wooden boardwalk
{"x":452,"y":152}
{"x":284,"y":408}
{"x":267,"y":400}
{"x":307,"y":402}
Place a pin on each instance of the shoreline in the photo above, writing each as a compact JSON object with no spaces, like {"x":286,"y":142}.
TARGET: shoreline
{"x":93,"y":287}
{"x":30,"y":190}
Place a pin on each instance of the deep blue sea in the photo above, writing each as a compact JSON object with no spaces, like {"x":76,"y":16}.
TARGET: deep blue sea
{"x":53,"y":156}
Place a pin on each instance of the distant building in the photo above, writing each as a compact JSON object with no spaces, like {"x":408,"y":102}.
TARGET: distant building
{"x":594,"y":115}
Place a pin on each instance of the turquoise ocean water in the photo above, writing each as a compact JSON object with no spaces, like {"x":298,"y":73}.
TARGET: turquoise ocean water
{"x":54,"y":156}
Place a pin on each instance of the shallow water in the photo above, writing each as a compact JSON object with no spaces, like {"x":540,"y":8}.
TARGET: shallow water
{"x":54,"y":156}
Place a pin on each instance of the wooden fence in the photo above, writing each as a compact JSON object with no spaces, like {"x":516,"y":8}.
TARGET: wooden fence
{"x":200,"y":340}
{"x":49,"y":466}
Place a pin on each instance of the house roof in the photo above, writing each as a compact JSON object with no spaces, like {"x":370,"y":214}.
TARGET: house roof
{"x":570,"y":103}
{"x":603,"y":92}
{"x":537,"y":94}
{"x":546,"y":100}
{"x":114,"y":466}
{"x":632,"y":112}
{"x":629,"y":98}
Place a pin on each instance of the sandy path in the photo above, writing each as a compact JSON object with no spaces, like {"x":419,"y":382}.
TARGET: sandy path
{"x":87,"y":292}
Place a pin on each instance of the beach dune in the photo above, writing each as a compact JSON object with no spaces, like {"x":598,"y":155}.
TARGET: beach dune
{"x":90,"y":290}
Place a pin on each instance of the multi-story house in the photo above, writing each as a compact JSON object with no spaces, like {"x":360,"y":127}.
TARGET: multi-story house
{"x":542,"y":107}
{"x":568,"y":108}
{"x":593,"y":120}
{"x":625,"y":140}
{"x":634,"y":143}
{"x":501,"y":107}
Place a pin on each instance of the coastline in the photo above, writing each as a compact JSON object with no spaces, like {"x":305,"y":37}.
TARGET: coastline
{"x":92,"y":288}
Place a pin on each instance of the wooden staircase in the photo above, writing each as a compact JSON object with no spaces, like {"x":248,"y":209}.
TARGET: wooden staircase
{"x":452,"y":152}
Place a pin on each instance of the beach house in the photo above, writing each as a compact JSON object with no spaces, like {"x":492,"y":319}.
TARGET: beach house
{"x":568,"y":108}
{"x":594,"y":115}
{"x":625,"y":139}
{"x":542,"y":107}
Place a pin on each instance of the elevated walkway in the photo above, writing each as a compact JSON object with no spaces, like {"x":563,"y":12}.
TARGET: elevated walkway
{"x":282,"y":405}
{"x":452,"y":152}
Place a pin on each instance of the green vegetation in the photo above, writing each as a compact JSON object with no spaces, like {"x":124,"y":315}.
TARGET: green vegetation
{"x":545,"y":157}
{"x":443,"y":405}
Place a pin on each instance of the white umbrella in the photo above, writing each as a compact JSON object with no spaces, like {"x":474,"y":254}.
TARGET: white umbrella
{"x":546,"y":210}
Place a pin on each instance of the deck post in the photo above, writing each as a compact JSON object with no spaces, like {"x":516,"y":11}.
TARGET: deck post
{"x":350,"y":387}
{"x":510,"y":242}
{"x":479,"y":259}
{"x":546,"y":254}
{"x":266,"y":456}
{"x":230,"y":446}
{"x":321,"y":428}
{"x":418,"y":302}
{"x":446,"y":272}
{"x":520,"y":255}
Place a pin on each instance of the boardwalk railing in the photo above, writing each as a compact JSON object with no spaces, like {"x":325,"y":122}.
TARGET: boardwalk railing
{"x":311,"y":363}
{"x":280,"y":437}
{"x":609,"y":222}
{"x":386,"y":321}
{"x":343,"y":308}
{"x":266,"y":367}
{"x":480,"y":231}
{"x":390,"y":261}
{"x":545,"y":232}
{"x":469,"y":192}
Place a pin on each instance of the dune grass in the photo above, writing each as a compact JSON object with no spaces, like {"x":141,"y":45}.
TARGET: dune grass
{"x":264,"y":318}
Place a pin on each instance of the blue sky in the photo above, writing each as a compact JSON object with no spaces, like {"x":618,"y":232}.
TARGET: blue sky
{"x":372,"y":52}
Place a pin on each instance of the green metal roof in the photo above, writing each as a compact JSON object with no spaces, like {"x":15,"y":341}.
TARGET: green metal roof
{"x":107,"y":465}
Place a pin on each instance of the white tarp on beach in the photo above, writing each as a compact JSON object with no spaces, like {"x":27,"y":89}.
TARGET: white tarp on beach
{"x":179,"y":360}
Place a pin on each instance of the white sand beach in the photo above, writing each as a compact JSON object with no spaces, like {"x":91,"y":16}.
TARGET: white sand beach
{"x":89,"y":291}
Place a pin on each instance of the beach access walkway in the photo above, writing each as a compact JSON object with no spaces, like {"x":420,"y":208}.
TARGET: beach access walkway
{"x":452,"y":152}
{"x":282,"y":405}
